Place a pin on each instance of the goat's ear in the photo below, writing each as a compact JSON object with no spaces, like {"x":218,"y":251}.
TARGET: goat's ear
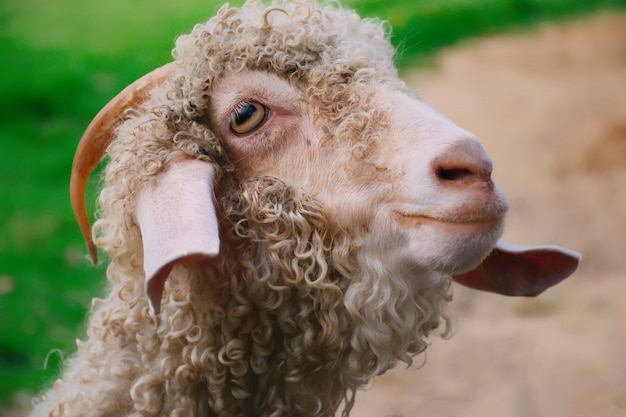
{"x":178,"y":222}
{"x":521,"y":270}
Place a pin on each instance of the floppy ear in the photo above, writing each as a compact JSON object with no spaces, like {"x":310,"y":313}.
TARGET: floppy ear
{"x":178,"y":222}
{"x":521,"y":270}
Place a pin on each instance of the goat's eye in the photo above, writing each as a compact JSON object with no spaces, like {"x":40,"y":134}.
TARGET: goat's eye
{"x":247,"y":117}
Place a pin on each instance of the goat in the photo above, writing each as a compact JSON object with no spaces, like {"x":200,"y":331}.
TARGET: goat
{"x":284,"y":219}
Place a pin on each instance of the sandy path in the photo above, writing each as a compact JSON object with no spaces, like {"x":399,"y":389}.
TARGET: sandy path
{"x":550,"y":107}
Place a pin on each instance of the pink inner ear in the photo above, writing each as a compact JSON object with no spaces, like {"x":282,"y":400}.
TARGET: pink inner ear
{"x":178,"y":222}
{"x":521,"y":271}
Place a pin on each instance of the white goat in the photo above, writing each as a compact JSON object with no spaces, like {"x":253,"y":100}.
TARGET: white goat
{"x":295,"y":216}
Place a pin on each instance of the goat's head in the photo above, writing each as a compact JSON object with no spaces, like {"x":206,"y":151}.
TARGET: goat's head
{"x":311,"y":97}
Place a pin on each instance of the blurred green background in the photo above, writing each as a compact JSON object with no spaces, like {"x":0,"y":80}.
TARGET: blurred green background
{"x":61,"y":62}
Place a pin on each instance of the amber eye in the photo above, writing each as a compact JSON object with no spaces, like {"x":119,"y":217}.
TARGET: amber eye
{"x":247,"y":117}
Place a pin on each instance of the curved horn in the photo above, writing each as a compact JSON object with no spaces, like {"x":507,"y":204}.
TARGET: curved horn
{"x":96,"y":139}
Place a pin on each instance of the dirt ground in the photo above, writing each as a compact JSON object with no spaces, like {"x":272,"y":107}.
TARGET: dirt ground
{"x":550,"y":108}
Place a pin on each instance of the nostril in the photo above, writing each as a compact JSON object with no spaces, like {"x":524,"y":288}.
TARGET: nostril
{"x":462,"y":164}
{"x":454,"y":174}
{"x":464,"y":173}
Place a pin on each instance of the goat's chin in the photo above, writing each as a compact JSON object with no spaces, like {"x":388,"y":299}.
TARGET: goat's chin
{"x":447,"y":247}
{"x":457,"y":247}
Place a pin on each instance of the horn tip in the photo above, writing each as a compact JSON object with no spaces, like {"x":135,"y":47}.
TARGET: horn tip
{"x":93,"y":252}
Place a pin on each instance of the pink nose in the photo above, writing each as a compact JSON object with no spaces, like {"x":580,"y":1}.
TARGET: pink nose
{"x":463,"y":164}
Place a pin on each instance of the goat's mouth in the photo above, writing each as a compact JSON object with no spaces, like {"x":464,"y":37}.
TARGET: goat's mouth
{"x":481,"y":221}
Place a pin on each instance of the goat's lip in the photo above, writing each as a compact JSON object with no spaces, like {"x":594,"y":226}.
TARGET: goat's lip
{"x":478,"y":221}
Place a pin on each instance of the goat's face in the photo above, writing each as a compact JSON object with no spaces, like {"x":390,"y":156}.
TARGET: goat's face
{"x":310,"y":96}
{"x":410,"y":185}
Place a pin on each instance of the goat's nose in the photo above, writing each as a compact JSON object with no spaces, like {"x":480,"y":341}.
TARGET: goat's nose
{"x":463,"y":164}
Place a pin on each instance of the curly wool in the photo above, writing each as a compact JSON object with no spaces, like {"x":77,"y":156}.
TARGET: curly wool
{"x":295,"y":315}
{"x":271,"y":333}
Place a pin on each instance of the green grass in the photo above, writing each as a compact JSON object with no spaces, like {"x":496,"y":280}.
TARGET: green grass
{"x":61,"y":62}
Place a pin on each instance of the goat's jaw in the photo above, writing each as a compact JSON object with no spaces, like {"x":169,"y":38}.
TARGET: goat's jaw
{"x":474,"y":236}
{"x":453,"y":236}
{"x":434,"y":243}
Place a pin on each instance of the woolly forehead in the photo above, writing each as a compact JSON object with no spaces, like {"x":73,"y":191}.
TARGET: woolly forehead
{"x":297,"y":41}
